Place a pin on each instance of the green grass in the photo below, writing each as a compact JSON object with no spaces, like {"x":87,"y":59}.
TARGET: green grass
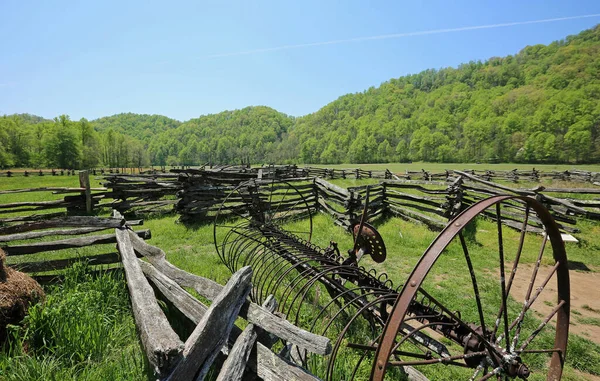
{"x":588,"y":308}
{"x":76,"y":345}
{"x":589,"y":321}
{"x":83,"y":331}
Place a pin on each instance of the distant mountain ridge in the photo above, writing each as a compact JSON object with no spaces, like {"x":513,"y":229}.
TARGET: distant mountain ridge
{"x":539,"y":105}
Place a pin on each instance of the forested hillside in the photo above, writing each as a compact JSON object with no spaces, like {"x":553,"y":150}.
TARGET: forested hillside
{"x":541,"y":105}
{"x":139,"y":126}
{"x":250,"y":135}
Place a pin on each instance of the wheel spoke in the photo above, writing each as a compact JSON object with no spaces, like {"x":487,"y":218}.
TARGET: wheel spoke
{"x":528,"y":303}
{"x":491,"y":374}
{"x":529,"y":290}
{"x":395,"y":352}
{"x":519,"y":251}
{"x":280,"y":202}
{"x":296,"y":232}
{"x":415,"y":330}
{"x":443,"y":360}
{"x":290,"y":209}
{"x":453,"y":316}
{"x":228,"y":226}
{"x":478,"y":370}
{"x":474,"y":281}
{"x":234,"y":210}
{"x":542,"y":350}
{"x":503,"y":307}
{"x":541,"y":326}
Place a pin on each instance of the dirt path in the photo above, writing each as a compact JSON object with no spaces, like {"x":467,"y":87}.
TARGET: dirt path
{"x":585,"y":301}
{"x":585,"y":298}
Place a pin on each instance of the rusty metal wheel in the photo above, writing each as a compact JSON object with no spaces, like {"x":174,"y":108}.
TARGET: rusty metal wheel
{"x":257,"y":203}
{"x":515,"y":319}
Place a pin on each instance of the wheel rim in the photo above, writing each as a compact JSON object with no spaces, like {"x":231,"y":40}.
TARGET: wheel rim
{"x":254,"y":203}
{"x":498,"y":339}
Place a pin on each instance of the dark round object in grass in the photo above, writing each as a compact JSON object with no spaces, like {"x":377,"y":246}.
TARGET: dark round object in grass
{"x":18,"y":291}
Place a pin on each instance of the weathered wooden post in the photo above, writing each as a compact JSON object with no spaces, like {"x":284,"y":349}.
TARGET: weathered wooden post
{"x":84,"y":182}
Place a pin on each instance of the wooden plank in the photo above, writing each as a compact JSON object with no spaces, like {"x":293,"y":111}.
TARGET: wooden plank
{"x":251,"y":311}
{"x":33,"y":217}
{"x":67,"y":221}
{"x":191,"y":307}
{"x":59,"y":264}
{"x":36,"y":209}
{"x":437,"y":211}
{"x":45,"y":204}
{"x":235,"y":365}
{"x":46,"y":233}
{"x":272,"y":367}
{"x":432,"y":201}
{"x":40,"y":247}
{"x":522,"y":192}
{"x":416,"y":184}
{"x":44,"y":279}
{"x":432,"y":223}
{"x":570,"y":206}
{"x":266,"y":364}
{"x":286,"y":330}
{"x":205,"y":287}
{"x":161,"y":344}
{"x":332,"y":187}
{"x":50,"y":189}
{"x":212,"y":331}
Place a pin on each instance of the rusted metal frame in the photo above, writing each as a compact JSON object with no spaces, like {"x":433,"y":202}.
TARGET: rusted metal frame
{"x":309,"y":272}
{"x":434,"y":251}
{"x":336,"y":347}
{"x":303,"y":276}
{"x":353,"y":301}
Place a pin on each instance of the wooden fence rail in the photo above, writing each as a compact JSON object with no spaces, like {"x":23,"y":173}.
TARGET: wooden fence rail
{"x":21,"y":256}
{"x":214,"y":325}
{"x":215,"y":334}
{"x":419,"y":196}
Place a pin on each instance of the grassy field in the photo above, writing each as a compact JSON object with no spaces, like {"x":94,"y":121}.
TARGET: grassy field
{"x":85,"y":330}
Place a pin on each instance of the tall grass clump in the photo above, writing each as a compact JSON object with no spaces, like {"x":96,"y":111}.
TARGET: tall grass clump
{"x":84,"y":330}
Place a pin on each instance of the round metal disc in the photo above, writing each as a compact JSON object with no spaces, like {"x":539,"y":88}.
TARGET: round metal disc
{"x":371,"y":242}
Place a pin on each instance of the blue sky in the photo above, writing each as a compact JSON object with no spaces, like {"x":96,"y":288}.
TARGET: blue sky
{"x":182,"y":59}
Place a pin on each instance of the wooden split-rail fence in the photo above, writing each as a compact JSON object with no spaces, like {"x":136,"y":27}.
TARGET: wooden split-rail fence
{"x":197,"y":195}
{"x":214,"y":338}
{"x":428,"y":202}
{"x":27,"y":244}
{"x":77,"y":200}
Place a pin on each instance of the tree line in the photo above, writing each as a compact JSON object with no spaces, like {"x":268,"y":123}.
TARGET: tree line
{"x":541,"y":105}
{"x":32,"y":142}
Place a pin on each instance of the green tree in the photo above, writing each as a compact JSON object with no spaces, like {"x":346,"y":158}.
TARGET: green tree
{"x":62,"y":145}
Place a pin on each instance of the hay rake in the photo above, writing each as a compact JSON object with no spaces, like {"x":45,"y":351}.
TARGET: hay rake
{"x":379,"y":328}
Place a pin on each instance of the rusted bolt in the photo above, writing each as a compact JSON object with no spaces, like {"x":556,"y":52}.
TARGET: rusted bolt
{"x":413,"y":284}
